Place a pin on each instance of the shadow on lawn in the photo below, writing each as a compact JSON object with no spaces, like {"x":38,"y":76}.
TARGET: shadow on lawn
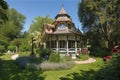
{"x":10,"y":71}
{"x":82,"y":75}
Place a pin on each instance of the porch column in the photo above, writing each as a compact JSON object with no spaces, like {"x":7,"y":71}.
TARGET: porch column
{"x":67,"y":46}
{"x":75,"y":45}
{"x":57,"y":43}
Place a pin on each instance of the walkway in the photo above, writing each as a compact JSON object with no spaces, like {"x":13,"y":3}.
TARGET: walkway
{"x":90,"y":60}
{"x":14,"y":57}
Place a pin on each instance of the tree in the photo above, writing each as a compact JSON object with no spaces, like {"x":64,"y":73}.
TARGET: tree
{"x":36,"y":29}
{"x":25,"y":42}
{"x":17,"y":19}
{"x":3,"y":18}
{"x":37,"y":24}
{"x":17,"y":43}
{"x":12,"y":28}
{"x":10,"y":31}
{"x":101,"y":17}
{"x":37,"y":38}
{"x":3,"y":11}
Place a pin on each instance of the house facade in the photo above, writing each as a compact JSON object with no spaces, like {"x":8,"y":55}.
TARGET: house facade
{"x":62,"y":35}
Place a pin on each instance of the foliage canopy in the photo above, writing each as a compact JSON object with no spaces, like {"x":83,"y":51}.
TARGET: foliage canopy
{"x":101,"y":18}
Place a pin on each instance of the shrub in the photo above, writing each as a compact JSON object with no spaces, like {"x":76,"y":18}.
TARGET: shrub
{"x":54,"y":57}
{"x":11,"y":48}
{"x":2,"y":48}
{"x":111,"y":68}
{"x":49,"y":66}
{"x":34,"y":63}
{"x":66,"y":58}
{"x":24,"y":54}
{"x":31,"y":66}
{"x":34,"y":59}
{"x":56,"y":66}
{"x":24,"y":48}
{"x":43,"y":52}
{"x":100,"y":52}
{"x":22,"y":62}
{"x":25,"y":62}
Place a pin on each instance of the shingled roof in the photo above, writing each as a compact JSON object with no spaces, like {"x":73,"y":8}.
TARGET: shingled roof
{"x":62,"y":15}
{"x":62,"y":11}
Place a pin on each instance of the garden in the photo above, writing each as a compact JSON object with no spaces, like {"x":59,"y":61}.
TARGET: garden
{"x":48,"y":65}
{"x":45,"y":59}
{"x":100,"y":33}
{"x":28,"y":67}
{"x":51,"y":70}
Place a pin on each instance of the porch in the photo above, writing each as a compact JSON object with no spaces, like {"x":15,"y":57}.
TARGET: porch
{"x":65,"y":44}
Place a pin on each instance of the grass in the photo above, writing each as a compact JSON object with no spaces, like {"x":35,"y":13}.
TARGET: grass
{"x":25,"y":53}
{"x":15,"y":73}
{"x":6,"y":56}
{"x":57,"y":75}
{"x":82,"y":57}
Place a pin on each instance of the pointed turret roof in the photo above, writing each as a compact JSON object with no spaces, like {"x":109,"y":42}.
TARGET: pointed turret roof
{"x":62,"y":11}
{"x":62,"y":15}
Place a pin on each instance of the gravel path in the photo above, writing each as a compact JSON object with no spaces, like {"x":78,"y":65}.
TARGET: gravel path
{"x":90,"y":60}
{"x":14,"y":57}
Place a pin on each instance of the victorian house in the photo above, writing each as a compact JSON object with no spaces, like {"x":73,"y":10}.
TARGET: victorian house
{"x":62,"y":35}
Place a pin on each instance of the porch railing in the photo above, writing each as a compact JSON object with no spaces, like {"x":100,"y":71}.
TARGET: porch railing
{"x":64,"y":49}
{"x":71,"y":49}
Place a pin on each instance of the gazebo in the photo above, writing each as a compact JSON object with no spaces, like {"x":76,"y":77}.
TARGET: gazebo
{"x":62,"y":35}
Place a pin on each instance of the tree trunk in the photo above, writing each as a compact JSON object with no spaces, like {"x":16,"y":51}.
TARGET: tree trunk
{"x":17,"y":49}
{"x":110,"y":44}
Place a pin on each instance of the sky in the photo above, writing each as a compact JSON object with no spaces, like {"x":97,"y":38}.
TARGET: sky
{"x":34,"y":8}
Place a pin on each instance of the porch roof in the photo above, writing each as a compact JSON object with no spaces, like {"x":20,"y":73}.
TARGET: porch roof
{"x":65,"y":32}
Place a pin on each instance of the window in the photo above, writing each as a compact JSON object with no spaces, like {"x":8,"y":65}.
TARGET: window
{"x":62,"y":16}
{"x":62,"y":26}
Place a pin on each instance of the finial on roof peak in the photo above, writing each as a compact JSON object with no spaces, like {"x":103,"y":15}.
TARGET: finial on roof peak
{"x":62,"y":11}
{"x":62,"y":5}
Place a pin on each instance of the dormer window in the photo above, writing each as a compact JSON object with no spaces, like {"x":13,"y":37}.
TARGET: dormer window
{"x":62,"y":26}
{"x":62,"y":16}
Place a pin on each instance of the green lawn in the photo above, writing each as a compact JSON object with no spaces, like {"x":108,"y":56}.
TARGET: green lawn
{"x":78,"y":69}
{"x":11,"y":72}
{"x":5,"y":56}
